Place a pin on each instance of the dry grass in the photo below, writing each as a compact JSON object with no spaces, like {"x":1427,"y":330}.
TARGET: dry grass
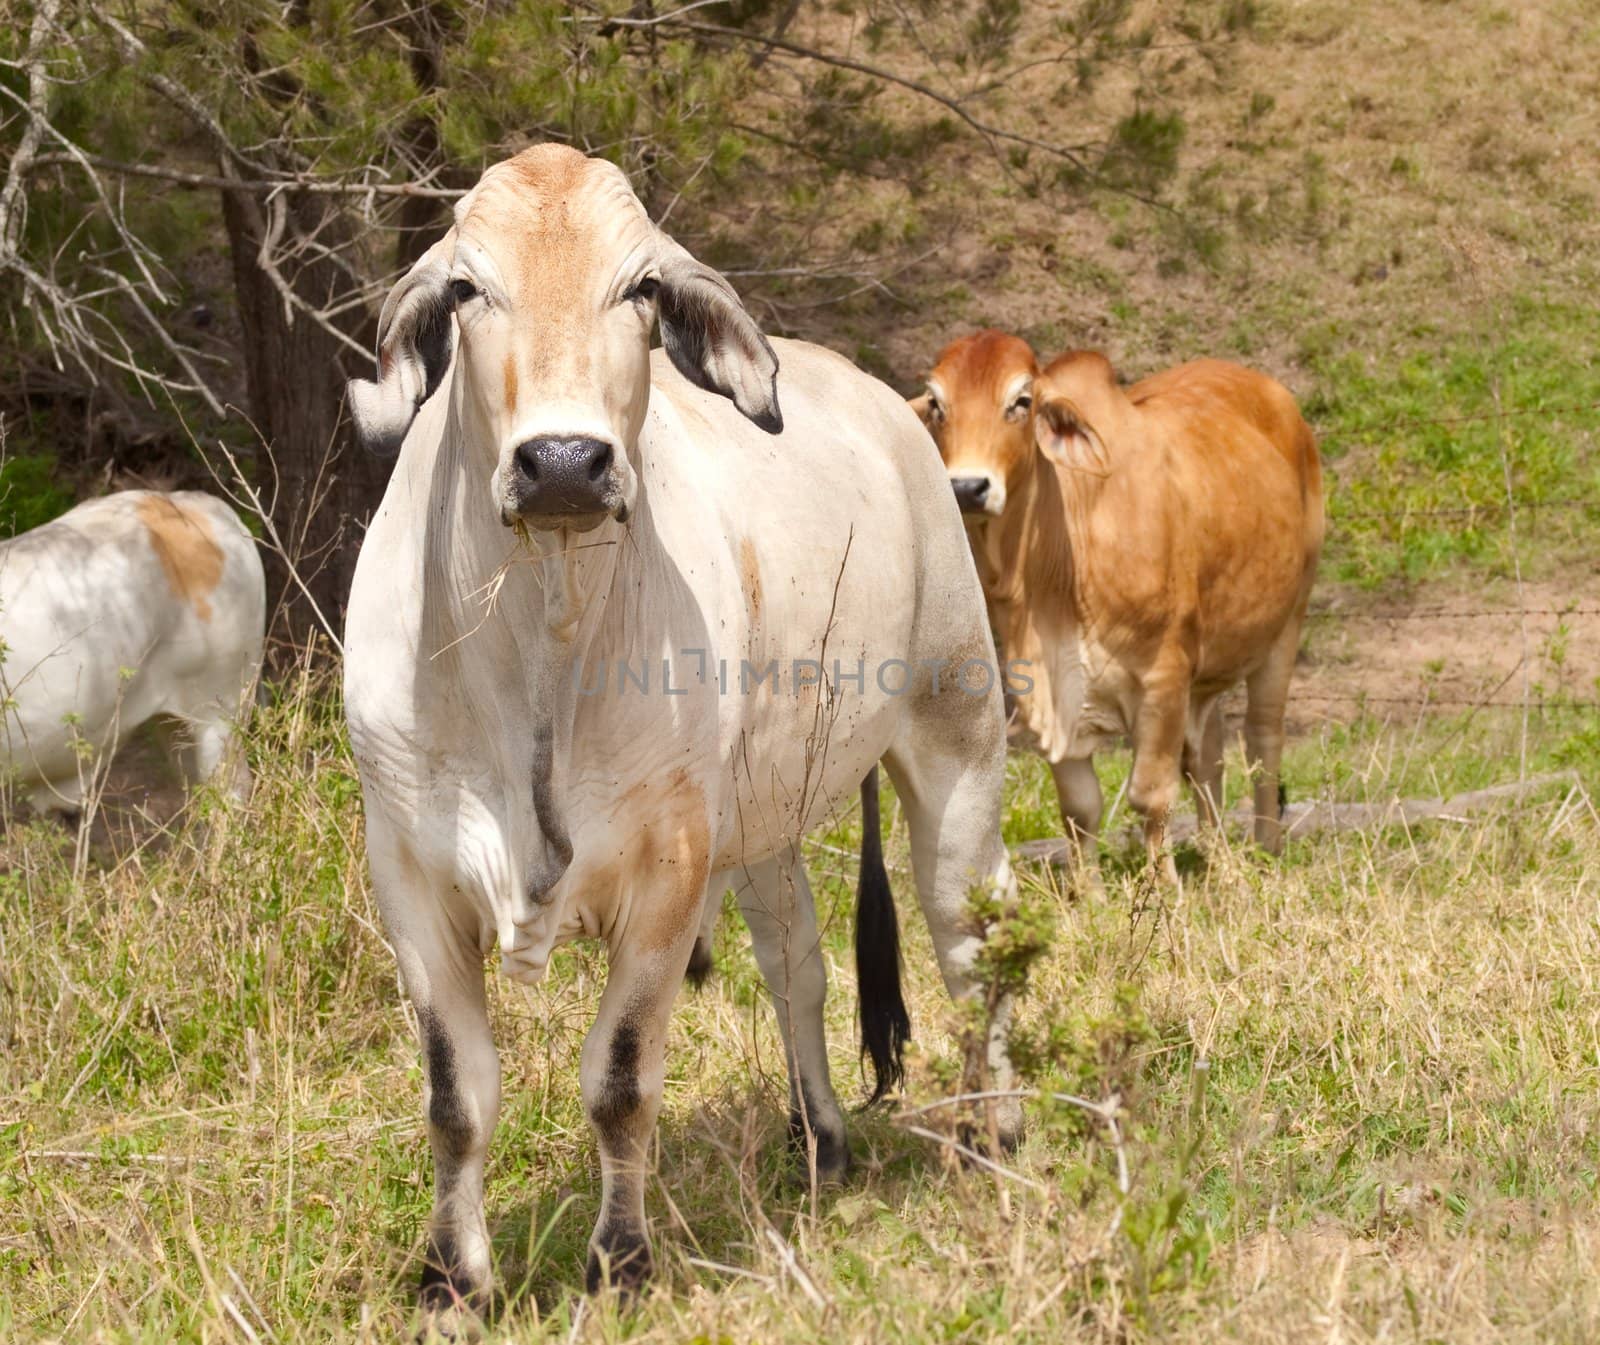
{"x":209,"y":1087}
{"x":210,"y":1091}
{"x":1354,"y":175}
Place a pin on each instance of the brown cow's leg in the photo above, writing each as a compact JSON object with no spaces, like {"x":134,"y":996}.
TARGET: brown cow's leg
{"x":1158,"y":736}
{"x":1078,"y":793}
{"x":1202,"y":767}
{"x":1268,"y":693}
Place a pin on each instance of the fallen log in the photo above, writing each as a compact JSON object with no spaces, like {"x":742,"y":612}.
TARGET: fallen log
{"x":1305,"y":819}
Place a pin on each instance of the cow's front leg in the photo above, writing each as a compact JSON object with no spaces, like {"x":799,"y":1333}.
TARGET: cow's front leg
{"x":1078,"y":793}
{"x":624,"y":1060}
{"x":442,"y":967}
{"x":1158,"y":737}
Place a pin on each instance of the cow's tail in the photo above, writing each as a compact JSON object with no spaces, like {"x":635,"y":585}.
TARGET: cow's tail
{"x":885,"y":1024}
{"x":700,"y":963}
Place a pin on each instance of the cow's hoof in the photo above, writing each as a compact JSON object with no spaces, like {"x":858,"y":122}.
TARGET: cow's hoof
{"x":623,"y":1264}
{"x":976,"y":1137}
{"x":833,"y":1153}
{"x":450,"y":1306}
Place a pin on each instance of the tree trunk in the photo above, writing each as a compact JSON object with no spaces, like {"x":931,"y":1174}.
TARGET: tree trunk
{"x":322,"y":485}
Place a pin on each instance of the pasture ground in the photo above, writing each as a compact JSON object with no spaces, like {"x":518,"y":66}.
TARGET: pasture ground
{"x":1358,"y":1089}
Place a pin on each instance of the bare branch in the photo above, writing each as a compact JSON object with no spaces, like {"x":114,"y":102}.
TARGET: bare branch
{"x":286,"y":181}
{"x":277,"y":213}
{"x":953,"y":105}
{"x":12,"y":204}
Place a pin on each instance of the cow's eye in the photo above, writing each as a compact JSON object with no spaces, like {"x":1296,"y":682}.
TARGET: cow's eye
{"x":462,"y":291}
{"x":644,"y":290}
{"x":1021,"y":405}
{"x":935,"y":411}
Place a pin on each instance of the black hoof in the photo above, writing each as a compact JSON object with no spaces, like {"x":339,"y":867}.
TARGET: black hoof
{"x":833,"y":1152}
{"x":624,"y":1264}
{"x":976,"y":1138}
{"x":452,"y":1305}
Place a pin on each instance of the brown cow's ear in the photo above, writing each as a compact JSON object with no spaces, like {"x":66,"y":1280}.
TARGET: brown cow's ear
{"x":415,"y":343}
{"x":713,"y":341}
{"x":1065,"y":436}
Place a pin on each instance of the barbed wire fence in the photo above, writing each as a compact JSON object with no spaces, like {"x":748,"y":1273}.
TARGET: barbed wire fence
{"x":1504,"y":512}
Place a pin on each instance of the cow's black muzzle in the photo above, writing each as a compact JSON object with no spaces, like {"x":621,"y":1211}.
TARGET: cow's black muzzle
{"x":561,"y":481}
{"x":972,"y":493}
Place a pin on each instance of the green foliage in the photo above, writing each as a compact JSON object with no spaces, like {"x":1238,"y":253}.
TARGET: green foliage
{"x":1143,"y":153}
{"x":29,"y":493}
{"x":992,"y":30}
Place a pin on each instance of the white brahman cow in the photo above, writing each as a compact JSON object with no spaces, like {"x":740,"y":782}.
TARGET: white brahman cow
{"x":621,"y":633}
{"x":127,"y":608}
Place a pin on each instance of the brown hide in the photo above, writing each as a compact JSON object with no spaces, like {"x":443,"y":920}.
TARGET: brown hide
{"x":1156,"y":546}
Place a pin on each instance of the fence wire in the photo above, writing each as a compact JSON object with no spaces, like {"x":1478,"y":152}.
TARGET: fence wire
{"x":1487,"y":614}
{"x":1470,"y":418}
{"x":1506,"y":508}
{"x":1473,"y":510}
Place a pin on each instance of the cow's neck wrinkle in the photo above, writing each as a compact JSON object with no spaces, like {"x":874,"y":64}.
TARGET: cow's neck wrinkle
{"x":505,"y":619}
{"x":1036,"y":568}
{"x":490,"y":582}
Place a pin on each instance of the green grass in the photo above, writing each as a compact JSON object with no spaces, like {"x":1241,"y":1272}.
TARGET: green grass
{"x":1357,"y":1085}
{"x":30,"y":496}
{"x":1412,"y":431}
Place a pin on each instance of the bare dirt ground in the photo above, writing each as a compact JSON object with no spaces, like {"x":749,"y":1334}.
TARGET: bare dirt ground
{"x":1448,"y":651}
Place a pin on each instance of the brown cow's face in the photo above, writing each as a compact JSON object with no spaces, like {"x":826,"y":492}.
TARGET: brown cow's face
{"x":979,"y":409}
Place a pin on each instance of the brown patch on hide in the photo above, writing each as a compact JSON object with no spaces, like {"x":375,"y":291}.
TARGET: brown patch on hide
{"x":671,"y":865}
{"x":187,"y":549}
{"x":750,"y":579}
{"x":511,"y":383}
{"x":548,"y":167}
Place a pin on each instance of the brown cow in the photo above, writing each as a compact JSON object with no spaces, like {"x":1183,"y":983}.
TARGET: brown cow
{"x":1142,"y":550}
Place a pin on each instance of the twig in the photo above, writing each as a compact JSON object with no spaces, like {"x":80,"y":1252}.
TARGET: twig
{"x":607,"y":21}
{"x":797,"y":1272}
{"x":277,"y":214}
{"x":973,"y":1156}
{"x":244,"y":495}
{"x":1516,"y":567}
{"x":288,"y":182}
{"x":1071,"y":155}
{"x":37,"y":105}
{"x":1303,"y":819}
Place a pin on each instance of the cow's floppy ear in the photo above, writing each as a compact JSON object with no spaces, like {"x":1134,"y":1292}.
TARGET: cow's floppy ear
{"x":415,"y":343}
{"x":1065,"y":435}
{"x":713,"y":341}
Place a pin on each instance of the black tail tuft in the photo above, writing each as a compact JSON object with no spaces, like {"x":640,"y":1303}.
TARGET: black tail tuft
{"x":885,"y":1024}
{"x":1283,"y":799}
{"x":700,"y":963}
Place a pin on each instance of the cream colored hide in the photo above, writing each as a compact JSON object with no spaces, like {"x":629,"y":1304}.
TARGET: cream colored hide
{"x":573,"y":514}
{"x":126,"y":608}
{"x":1142,"y":550}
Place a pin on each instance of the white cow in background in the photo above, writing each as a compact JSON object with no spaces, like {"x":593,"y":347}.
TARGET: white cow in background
{"x":129,"y":607}
{"x":570,"y":508}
